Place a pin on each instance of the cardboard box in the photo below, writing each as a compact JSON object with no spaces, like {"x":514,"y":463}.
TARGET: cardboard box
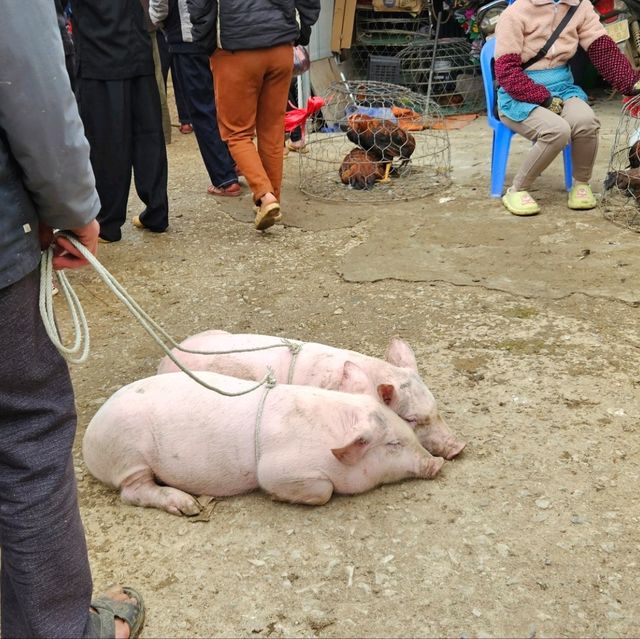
{"x":344,"y":15}
{"x":336,"y":27}
{"x":347,"y":24}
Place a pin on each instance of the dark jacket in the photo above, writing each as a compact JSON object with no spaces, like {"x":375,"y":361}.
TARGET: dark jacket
{"x":172,"y":16}
{"x":252,"y":24}
{"x":45,"y":172}
{"x":111,"y":38}
{"x":67,"y":42}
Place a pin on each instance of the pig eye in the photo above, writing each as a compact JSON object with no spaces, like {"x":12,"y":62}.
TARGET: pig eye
{"x":395,"y":443}
{"x":412,"y":421}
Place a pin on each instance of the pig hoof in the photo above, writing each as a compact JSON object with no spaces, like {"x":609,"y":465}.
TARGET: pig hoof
{"x":189,"y":507}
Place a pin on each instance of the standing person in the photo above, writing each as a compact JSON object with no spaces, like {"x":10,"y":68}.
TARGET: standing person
{"x":67,"y":43}
{"x":191,"y":66}
{"x":296,"y":142}
{"x":160,"y":81}
{"x":166,"y":62}
{"x":543,"y":103}
{"x":46,"y":182}
{"x":120,"y":108}
{"x":252,"y":68}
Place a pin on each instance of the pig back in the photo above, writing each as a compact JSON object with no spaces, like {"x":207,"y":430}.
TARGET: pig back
{"x":190,"y":437}
{"x":244,"y":365}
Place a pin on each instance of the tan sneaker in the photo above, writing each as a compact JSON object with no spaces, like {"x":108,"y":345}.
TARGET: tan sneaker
{"x":520,"y":203}
{"x":581,"y":198}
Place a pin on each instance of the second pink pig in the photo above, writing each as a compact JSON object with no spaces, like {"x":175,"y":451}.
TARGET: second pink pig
{"x":394,"y":381}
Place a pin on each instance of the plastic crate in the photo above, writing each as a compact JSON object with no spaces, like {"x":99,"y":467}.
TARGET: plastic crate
{"x":384,"y":68}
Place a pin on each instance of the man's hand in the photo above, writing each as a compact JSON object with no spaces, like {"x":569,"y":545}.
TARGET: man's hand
{"x":305,"y":35}
{"x":554,"y":104}
{"x":66,"y":255}
{"x":45,"y":234}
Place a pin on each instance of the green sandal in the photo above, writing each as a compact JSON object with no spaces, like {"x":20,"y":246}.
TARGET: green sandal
{"x":520,"y":203}
{"x":102,"y":624}
{"x":581,"y":197}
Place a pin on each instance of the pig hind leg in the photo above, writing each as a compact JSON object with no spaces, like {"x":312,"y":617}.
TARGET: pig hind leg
{"x":140,"y":489}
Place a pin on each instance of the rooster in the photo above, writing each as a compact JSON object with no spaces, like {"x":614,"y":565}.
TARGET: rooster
{"x":360,"y":169}
{"x":383,"y":139}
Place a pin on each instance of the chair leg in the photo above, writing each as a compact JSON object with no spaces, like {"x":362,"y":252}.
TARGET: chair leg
{"x":568,"y":167}
{"x":499,"y":158}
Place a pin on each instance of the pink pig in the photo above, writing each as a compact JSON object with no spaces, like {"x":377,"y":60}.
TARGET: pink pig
{"x":395,"y":382}
{"x":162,"y":439}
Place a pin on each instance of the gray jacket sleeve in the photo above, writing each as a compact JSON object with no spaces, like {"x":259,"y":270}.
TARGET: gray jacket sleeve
{"x":158,"y":11}
{"x":39,"y":116}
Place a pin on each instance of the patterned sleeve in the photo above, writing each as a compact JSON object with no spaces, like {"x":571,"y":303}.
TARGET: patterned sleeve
{"x":508,"y":62}
{"x":613,"y":65}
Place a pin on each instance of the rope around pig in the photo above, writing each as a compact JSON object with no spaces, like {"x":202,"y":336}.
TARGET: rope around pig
{"x":81,"y":328}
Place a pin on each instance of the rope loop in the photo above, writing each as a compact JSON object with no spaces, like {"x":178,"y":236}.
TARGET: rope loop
{"x":81,"y":328}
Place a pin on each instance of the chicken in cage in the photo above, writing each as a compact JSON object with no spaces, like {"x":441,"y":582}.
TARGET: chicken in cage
{"x":384,"y":140}
{"x":379,"y":142}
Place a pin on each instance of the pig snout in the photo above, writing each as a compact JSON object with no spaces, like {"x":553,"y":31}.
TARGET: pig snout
{"x":438,"y":439}
{"x":448,"y":448}
{"x":430,"y":467}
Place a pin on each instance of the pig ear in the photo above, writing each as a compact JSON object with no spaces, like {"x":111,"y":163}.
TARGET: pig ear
{"x":385,"y":392}
{"x":399,"y":353}
{"x":354,"y":380}
{"x":353,"y":452}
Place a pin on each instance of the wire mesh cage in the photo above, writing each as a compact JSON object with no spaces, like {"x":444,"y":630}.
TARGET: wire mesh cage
{"x":446,"y":71}
{"x":383,"y":35}
{"x":621,"y":189}
{"x":379,"y":142}
{"x":375,"y":28}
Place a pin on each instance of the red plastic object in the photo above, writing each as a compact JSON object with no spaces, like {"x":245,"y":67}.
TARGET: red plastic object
{"x":297,"y":117}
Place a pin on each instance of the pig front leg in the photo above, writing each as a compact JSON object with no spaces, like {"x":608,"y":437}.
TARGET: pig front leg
{"x":140,"y":489}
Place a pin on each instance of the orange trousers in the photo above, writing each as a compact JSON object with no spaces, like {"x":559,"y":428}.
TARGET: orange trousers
{"x":252,"y":88}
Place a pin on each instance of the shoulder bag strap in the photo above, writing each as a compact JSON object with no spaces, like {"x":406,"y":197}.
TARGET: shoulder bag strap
{"x":553,"y":37}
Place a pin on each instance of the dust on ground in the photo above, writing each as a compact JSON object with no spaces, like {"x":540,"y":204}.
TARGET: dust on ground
{"x":526,"y":331}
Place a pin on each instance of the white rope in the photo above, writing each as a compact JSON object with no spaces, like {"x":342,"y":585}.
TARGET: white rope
{"x":81,"y":328}
{"x":45,"y":302}
{"x":270,"y":382}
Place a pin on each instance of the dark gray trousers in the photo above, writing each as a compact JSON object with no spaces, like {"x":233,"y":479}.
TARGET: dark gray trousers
{"x":45,"y":583}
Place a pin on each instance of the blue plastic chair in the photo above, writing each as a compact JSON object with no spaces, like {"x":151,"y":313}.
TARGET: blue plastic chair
{"x":502,"y":134}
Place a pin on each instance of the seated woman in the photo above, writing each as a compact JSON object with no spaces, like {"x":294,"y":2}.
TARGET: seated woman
{"x":542,"y":103}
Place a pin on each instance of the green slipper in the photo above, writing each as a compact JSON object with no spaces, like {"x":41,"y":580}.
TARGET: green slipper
{"x":107,"y":610}
{"x":581,"y":198}
{"x":520,"y":203}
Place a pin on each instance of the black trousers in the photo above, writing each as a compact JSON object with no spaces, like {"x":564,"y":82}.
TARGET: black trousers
{"x":167,"y":64}
{"x":123,"y":123}
{"x":196,"y":80}
{"x":45,"y":578}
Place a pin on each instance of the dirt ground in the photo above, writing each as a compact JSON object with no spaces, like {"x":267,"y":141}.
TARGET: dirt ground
{"x":525,"y":330}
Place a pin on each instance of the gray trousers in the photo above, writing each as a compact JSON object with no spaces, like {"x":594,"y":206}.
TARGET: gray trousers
{"x":550,"y":133}
{"x":45,"y":581}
